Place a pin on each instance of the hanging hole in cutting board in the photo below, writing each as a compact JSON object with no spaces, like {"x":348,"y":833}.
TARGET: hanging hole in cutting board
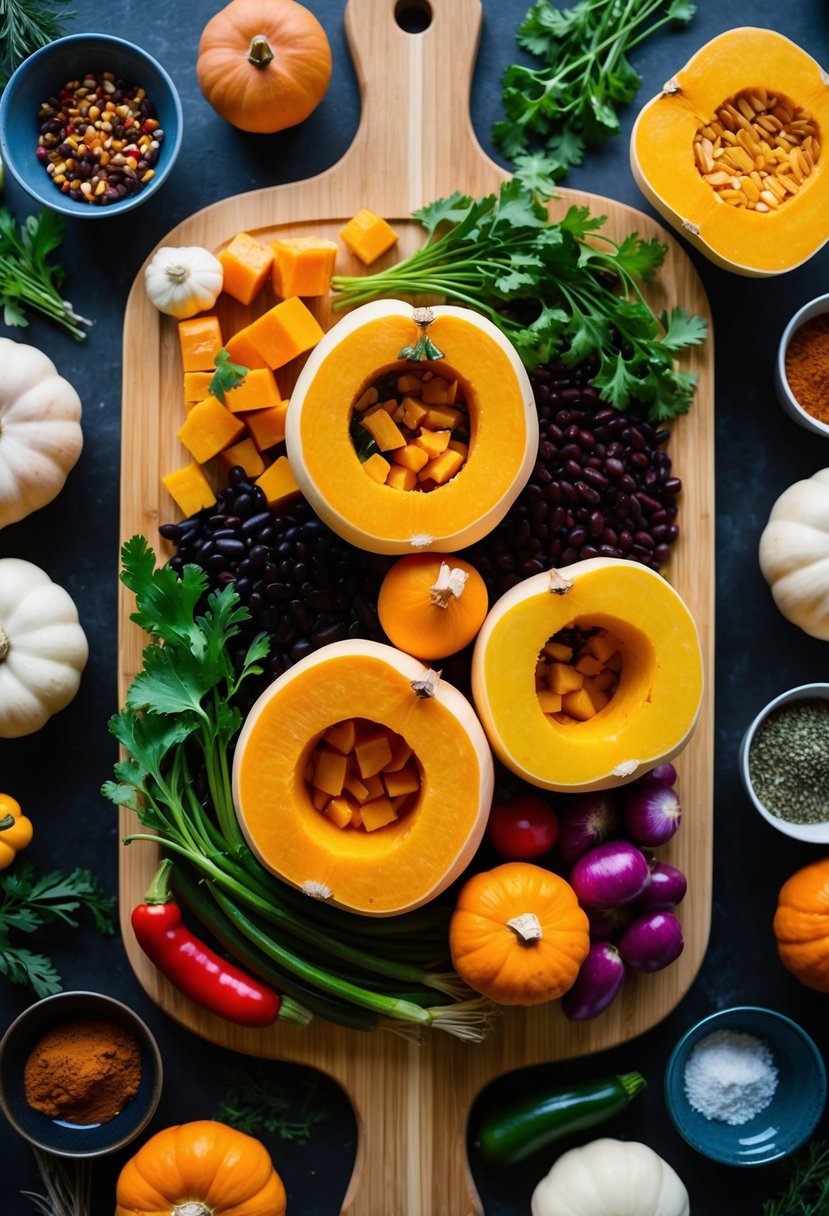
{"x":413,"y":16}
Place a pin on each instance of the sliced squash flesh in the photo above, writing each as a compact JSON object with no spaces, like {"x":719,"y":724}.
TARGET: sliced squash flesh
{"x":411,"y":859}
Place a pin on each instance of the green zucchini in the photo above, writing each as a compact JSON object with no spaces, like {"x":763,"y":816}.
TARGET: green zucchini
{"x":525,"y":1126}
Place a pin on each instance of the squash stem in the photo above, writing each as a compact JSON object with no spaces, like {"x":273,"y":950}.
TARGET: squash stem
{"x":4,"y":644}
{"x":259,"y":51}
{"x":527,"y":928}
{"x":448,"y":586}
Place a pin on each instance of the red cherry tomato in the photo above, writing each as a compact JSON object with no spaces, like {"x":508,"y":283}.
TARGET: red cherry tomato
{"x":523,"y":828}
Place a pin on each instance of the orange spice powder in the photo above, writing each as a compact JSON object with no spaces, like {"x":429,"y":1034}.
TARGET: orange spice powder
{"x":83,"y":1071}
{"x":807,"y":366}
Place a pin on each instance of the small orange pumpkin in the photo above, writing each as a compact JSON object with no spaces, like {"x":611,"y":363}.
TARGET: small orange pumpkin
{"x":801,"y":925}
{"x":202,"y":1168}
{"x":518,"y":935}
{"x":431,"y":608}
{"x":264,"y":65}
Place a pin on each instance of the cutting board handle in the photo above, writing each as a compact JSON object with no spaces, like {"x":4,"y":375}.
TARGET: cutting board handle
{"x":415,"y":140}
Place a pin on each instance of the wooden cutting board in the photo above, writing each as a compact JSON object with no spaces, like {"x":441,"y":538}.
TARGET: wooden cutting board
{"x":415,"y":143}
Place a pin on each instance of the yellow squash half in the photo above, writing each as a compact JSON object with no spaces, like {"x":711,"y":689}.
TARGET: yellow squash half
{"x":405,"y":863}
{"x":654,"y":708}
{"x":756,"y":63}
{"x":504,"y":429}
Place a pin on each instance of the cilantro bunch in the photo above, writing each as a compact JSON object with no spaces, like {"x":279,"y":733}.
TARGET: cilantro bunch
{"x":27,"y":277}
{"x":569,"y":102}
{"x":558,"y":289}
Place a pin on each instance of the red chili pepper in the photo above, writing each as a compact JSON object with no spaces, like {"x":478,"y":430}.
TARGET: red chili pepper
{"x":193,"y":967}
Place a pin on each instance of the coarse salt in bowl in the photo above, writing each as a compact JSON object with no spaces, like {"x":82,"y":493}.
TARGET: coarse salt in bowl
{"x":774,"y":1094}
{"x":816,"y":832}
{"x":815,"y":308}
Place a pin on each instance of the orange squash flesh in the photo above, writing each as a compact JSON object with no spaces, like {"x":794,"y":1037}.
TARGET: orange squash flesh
{"x":662,"y":156}
{"x":405,"y":863}
{"x":656,"y":704}
{"x":503,"y":420}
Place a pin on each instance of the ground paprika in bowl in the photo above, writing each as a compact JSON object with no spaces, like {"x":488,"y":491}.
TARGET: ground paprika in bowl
{"x":802,"y":368}
{"x":80,"y":1074}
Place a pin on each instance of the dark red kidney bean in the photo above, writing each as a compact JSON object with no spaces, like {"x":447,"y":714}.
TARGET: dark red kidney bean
{"x":672,"y":486}
{"x":595,"y":479}
{"x":596,"y":523}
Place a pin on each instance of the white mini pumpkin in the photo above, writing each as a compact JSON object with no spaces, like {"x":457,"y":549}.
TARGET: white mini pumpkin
{"x":182,"y":281}
{"x":794,"y":554}
{"x":611,"y":1178}
{"x":40,"y":430}
{"x":43,"y":649}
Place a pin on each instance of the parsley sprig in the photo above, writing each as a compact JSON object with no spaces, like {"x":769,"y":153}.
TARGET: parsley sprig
{"x":27,"y":278}
{"x":556,"y":289}
{"x":557,"y":110}
{"x":29,"y":902}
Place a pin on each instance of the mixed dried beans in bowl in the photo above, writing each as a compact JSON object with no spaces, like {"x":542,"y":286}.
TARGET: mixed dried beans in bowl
{"x":99,"y":138}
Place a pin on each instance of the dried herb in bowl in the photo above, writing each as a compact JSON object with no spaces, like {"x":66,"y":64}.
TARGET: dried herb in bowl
{"x":788,"y":761}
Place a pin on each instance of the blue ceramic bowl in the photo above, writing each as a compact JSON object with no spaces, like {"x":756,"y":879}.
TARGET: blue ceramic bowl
{"x":61,"y":1138}
{"x":794,"y":1111}
{"x":45,"y":72}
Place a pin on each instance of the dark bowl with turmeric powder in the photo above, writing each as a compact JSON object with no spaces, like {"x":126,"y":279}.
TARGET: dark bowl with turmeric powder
{"x":80,"y":1074}
{"x":802,"y":369}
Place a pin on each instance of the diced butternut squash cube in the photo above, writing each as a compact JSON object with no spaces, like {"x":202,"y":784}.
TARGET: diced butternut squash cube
{"x":284,"y":331}
{"x":372,"y":754}
{"x":242,"y":351}
{"x":433,"y":442}
{"x":383,"y":430}
{"x":196,"y":386}
{"x":400,"y":755}
{"x":246,"y":263}
{"x":411,"y":457}
{"x":368,"y":236}
{"x":400,"y":478}
{"x":601,"y":645}
{"x":601,"y":683}
{"x":578,"y":705}
{"x":330,"y":770}
{"x":563,"y":678}
{"x":189,"y":488}
{"x":614,"y":663}
{"x":377,"y":468}
{"x":436,"y":391}
{"x":245,"y":454}
{"x":209,"y":428}
{"x":320,"y":799}
{"x":550,"y":702}
{"x":278,"y":482}
{"x":267,"y":427}
{"x":200,"y":339}
{"x":375,"y":787}
{"x":443,"y":417}
{"x":457,"y":445}
{"x":442,"y":468}
{"x":356,"y":788}
{"x":588,"y":665}
{"x":389,"y":406}
{"x":340,"y":812}
{"x":599,"y":699}
{"x":365,"y":400}
{"x":302,"y":266}
{"x":408,"y":382}
{"x":377,"y":814}
{"x":342,"y":737}
{"x":404,"y":781}
{"x":413,"y":412}
{"x":257,"y":391}
{"x":558,"y":652}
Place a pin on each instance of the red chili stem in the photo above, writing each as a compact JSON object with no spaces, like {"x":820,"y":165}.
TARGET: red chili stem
{"x":195,"y":969}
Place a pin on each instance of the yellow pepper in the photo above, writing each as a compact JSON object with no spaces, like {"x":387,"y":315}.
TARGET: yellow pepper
{"x":15,"y":830}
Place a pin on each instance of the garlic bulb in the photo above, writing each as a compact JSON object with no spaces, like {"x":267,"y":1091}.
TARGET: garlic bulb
{"x":182,"y":281}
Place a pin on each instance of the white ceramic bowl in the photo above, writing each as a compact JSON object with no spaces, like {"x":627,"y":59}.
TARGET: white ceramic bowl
{"x":784,"y":394}
{"x":816,"y":833}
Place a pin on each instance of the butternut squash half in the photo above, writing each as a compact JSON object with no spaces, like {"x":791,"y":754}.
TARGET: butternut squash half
{"x":733,"y":152}
{"x":638,"y":625}
{"x":476,"y":485}
{"x":406,"y":861}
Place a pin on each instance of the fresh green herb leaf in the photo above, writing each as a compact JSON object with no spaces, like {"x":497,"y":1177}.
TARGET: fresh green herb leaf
{"x":27,"y":279}
{"x":556,"y":289}
{"x":568,"y":102}
{"x":26,"y":26}
{"x":28,"y":902}
{"x":226,"y":376}
{"x":253,"y":1104}
{"x":807,"y":1192}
